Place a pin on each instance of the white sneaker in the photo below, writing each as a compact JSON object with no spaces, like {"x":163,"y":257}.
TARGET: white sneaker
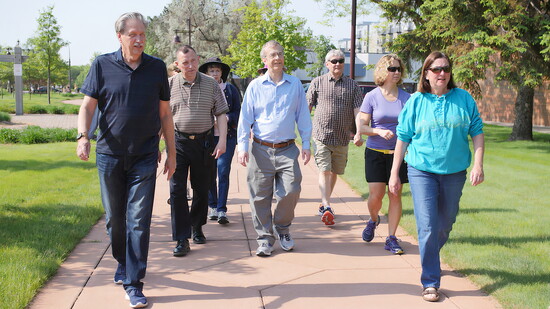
{"x":212,"y":213}
{"x":264,"y":250}
{"x":287,"y":243}
{"x":222,"y":217}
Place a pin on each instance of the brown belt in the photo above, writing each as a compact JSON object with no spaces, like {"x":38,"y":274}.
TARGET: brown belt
{"x":279,"y":145}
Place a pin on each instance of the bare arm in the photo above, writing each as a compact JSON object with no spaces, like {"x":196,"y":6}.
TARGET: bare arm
{"x":222,"y":142}
{"x":85,"y":115}
{"x":394,"y":184}
{"x":167,"y":128}
{"x":476,"y":174}
{"x":357,"y":139}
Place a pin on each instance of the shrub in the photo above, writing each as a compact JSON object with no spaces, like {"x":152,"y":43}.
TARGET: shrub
{"x":7,"y":108}
{"x":55,"y":109}
{"x":71,"y":95}
{"x":36,"y":109}
{"x":9,"y":136}
{"x":5,"y":116}
{"x":36,"y":135}
{"x":33,"y":135}
{"x":72,"y":109}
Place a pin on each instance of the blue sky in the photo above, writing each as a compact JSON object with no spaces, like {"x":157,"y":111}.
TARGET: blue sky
{"x":89,"y":25}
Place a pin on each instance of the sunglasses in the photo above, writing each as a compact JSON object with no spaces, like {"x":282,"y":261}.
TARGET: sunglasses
{"x":394,"y":69}
{"x":335,"y":61}
{"x":437,"y":70}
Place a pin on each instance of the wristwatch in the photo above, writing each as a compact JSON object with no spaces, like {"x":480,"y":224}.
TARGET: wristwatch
{"x":81,"y":135}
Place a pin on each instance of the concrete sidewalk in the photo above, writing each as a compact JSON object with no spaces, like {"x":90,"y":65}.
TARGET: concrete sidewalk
{"x":329,"y":267}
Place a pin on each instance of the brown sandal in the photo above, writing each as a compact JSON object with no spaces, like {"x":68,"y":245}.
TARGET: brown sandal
{"x":430,"y":294}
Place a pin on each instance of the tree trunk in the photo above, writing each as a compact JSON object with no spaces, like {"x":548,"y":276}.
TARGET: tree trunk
{"x":523,"y":124}
{"x":49,"y":87}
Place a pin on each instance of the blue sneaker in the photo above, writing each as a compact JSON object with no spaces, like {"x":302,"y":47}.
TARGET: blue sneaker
{"x":368,"y":232}
{"x":136,"y":298}
{"x":392,"y":245}
{"x":120,"y":274}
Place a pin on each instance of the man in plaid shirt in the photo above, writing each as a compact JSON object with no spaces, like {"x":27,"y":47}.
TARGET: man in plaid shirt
{"x":337,"y":99}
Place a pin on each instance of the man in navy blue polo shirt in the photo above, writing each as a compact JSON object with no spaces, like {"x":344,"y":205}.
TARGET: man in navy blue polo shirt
{"x":131,"y":90}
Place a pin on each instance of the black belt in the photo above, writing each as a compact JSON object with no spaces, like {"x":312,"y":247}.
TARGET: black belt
{"x":194,"y":136}
{"x":272,"y":145}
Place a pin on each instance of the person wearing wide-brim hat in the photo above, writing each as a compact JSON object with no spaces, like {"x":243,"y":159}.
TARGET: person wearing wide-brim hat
{"x":217,"y":196}
{"x":261,"y":71}
{"x":216,"y":62}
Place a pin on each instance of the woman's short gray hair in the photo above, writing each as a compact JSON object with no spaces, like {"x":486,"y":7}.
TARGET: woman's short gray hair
{"x":120,"y":24}
{"x":335,"y":53}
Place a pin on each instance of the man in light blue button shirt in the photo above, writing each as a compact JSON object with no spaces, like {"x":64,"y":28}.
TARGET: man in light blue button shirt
{"x":272,"y":107}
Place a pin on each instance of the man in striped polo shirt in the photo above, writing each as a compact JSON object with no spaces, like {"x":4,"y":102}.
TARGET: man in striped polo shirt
{"x":197,"y":101}
{"x":337,"y":99}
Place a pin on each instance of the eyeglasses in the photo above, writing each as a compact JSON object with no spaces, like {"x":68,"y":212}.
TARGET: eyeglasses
{"x":437,"y":70}
{"x":276,"y":54}
{"x":394,"y":69}
{"x":335,"y":61}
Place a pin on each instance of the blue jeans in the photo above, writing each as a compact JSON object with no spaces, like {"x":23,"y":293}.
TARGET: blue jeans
{"x":127,"y":190}
{"x":436,"y":198}
{"x":217,"y":197}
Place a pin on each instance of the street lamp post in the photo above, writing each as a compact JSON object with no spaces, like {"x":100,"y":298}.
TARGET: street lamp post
{"x":352,"y":49}
{"x":70,"y":81}
{"x":177,"y":38}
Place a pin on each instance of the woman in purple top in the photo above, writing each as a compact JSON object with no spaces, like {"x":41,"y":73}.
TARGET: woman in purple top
{"x":378,"y":120}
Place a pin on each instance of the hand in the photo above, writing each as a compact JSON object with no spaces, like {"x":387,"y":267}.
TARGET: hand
{"x":394,"y":185}
{"x":219,"y":150}
{"x":83,"y":149}
{"x":243,"y":158}
{"x":476,"y":175}
{"x":306,"y":155}
{"x":169,"y":167}
{"x":386,"y":134}
{"x":159,"y":157}
{"x":358,"y":140}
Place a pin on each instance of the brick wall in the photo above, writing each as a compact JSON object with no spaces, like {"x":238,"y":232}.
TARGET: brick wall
{"x":499,"y":98}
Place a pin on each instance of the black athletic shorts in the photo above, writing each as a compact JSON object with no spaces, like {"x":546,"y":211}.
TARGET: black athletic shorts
{"x":378,"y":167}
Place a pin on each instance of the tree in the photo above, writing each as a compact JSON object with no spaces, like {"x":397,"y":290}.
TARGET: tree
{"x":509,"y":37}
{"x":264,"y":22}
{"x":46,"y":45}
{"x":213,"y":22}
{"x":321,"y":46}
{"x":84,"y":69}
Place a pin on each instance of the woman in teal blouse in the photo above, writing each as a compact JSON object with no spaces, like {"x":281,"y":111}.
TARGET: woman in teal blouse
{"x":433,"y":130}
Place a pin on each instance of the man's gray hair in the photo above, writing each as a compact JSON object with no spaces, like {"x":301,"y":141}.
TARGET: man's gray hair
{"x":271,"y":43}
{"x":120,"y":24}
{"x":335,"y":53}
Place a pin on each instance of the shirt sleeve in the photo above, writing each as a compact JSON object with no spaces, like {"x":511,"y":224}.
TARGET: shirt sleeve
{"x":358,"y":95}
{"x":476,"y":123}
{"x":164,"y":93}
{"x":303,"y":119}
{"x":311,"y":96}
{"x":246,"y":118}
{"x":406,"y":121}
{"x":220,"y":103}
{"x":90,"y":87}
{"x":235,"y":97}
{"x":366,"y":106}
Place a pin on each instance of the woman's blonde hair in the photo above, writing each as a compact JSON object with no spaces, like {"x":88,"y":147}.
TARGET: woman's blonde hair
{"x":381,"y":69}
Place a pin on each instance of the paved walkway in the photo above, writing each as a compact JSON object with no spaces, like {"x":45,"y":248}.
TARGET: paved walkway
{"x":330,"y":266}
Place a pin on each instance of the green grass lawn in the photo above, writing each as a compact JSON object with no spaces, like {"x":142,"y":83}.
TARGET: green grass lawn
{"x":501,"y":239}
{"x":48,"y":201}
{"x":38,"y":103}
